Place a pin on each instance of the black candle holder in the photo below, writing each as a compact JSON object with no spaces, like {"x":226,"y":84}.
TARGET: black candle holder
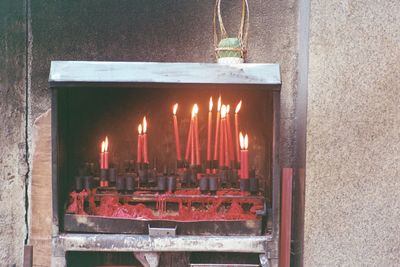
{"x":104,"y":174}
{"x":224,"y":177}
{"x":171,"y":184}
{"x":88,"y":182}
{"x":233,"y":178}
{"x":185,"y":178}
{"x":244,"y":185}
{"x":78,"y":183}
{"x":204,"y":184}
{"x":129,"y":183}
{"x":193,"y":178}
{"x":112,"y":175}
{"x":143,"y":175}
{"x":120,"y":183}
{"x":152,"y":177}
{"x":253,"y":185}
{"x":213,"y":184}
{"x":162,"y":183}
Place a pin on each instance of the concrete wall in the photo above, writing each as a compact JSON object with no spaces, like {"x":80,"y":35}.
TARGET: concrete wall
{"x":352,"y":207}
{"x":139,"y":30}
{"x":13,"y":165}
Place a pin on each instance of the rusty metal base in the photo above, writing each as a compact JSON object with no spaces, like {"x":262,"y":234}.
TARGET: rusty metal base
{"x":98,"y":224}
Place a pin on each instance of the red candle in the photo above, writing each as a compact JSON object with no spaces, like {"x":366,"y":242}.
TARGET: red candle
{"x":145,"y":149}
{"x":139,"y":144}
{"x":189,"y":140}
{"x":192,"y":141}
{"x":210,"y":106}
{"x":176,"y":131}
{"x":238,"y":106}
{"x":217,"y":129}
{"x":226,"y":143}
{"x":229,"y":131}
{"x":106,"y":153}
{"x":196,"y":133}
{"x":244,"y":155}
{"x":102,"y":155}
{"x":222,"y":137}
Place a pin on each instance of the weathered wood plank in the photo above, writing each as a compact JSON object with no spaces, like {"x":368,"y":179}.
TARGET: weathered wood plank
{"x":99,"y":224}
{"x":64,"y":72}
{"x":121,"y":242}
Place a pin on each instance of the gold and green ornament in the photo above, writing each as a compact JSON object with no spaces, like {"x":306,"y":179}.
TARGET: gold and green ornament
{"x":230,"y":49}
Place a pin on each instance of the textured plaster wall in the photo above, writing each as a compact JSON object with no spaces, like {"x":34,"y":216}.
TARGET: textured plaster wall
{"x":13,"y":167}
{"x":139,"y":30}
{"x":352,"y":209}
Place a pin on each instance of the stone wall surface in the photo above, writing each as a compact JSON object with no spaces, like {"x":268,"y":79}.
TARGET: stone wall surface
{"x":352,"y":208}
{"x":13,"y":166}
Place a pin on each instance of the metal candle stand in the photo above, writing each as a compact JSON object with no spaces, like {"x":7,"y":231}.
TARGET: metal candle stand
{"x":143,"y":169}
{"x":204,"y":184}
{"x":190,"y":176}
{"x":103,"y":174}
{"x":78,"y":183}
{"x":162,"y":183}
{"x":111,"y":176}
{"x":171,"y":184}
{"x":120,"y":183}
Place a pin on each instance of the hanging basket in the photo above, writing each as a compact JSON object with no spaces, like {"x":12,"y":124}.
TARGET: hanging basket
{"x":230,"y":50}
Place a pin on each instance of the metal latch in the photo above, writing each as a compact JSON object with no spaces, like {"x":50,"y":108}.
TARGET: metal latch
{"x":162,"y":231}
{"x":262,"y":212}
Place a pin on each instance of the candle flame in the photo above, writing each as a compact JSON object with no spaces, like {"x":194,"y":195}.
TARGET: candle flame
{"x":140,"y":128}
{"x":144,"y":125}
{"x":228,"y":107}
{"x":238,"y":106}
{"x":210,"y":106}
{"x":106,"y":145}
{"x":223,"y":112}
{"x":219,"y":104}
{"x":102,"y":147}
{"x":241,"y":140}
{"x":175,"y":108}
{"x":195,"y":110}
{"x":244,"y":141}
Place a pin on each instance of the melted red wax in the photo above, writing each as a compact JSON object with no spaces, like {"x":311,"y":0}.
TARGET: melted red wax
{"x":210,"y":208}
{"x":77,"y":202}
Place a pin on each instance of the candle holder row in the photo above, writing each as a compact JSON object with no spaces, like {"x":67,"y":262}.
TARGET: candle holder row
{"x":141,"y":176}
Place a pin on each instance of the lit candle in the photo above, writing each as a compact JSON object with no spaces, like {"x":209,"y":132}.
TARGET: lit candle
{"x":226,"y":139}
{"x":139,"y":144}
{"x":189,"y":140}
{"x":229,"y":131}
{"x":102,"y":155}
{"x":222,"y":137}
{"x":244,"y":156}
{"x":210,"y":106}
{"x":238,"y":106}
{"x":196,"y":133}
{"x":217,"y":124}
{"x":192,"y":140}
{"x":145,"y":150}
{"x":177,"y":143}
{"x":106,"y":153}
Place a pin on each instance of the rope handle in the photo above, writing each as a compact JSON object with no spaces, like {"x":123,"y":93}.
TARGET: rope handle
{"x":244,"y":24}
